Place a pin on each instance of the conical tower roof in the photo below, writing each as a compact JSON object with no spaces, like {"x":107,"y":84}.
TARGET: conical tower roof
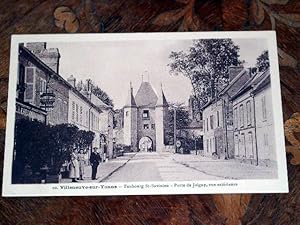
{"x":162,"y":101}
{"x":130,"y":102}
{"x":146,"y":96}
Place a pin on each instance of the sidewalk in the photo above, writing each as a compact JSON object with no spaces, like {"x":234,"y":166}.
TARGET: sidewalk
{"x":226,"y":169}
{"x":105,"y":169}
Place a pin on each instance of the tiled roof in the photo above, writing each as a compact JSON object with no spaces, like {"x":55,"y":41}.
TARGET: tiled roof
{"x":162,"y":101}
{"x":146,"y":96}
{"x":130,"y":99}
{"x":252,"y":82}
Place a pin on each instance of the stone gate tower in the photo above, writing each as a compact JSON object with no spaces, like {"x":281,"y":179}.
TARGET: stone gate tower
{"x":145,"y":119}
{"x":130,"y":121}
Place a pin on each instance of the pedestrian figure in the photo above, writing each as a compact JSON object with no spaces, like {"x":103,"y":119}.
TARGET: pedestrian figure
{"x":74,"y":167}
{"x":81,"y":159}
{"x":94,"y":160}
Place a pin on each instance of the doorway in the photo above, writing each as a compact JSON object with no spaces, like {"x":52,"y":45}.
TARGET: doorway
{"x":146,"y":144}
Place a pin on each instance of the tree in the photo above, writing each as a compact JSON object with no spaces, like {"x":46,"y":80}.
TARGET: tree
{"x":96,"y":90}
{"x":61,"y":140}
{"x":37,"y":145}
{"x":84,"y":139}
{"x":206,"y":65}
{"x":262,"y":61}
{"x":182,"y":120}
{"x":103,"y":96}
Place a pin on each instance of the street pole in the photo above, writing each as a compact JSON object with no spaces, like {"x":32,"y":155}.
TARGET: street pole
{"x":196,"y":146}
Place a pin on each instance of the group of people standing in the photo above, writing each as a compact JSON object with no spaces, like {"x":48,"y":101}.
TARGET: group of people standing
{"x":78,"y":163}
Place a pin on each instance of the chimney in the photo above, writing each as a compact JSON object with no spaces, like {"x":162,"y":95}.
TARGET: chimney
{"x":72,"y":80}
{"x":234,"y":71}
{"x":252,"y":71}
{"x":36,"y":47}
{"x":49,"y":56}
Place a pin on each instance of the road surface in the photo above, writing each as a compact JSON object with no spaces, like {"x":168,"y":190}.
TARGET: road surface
{"x":153,"y":166}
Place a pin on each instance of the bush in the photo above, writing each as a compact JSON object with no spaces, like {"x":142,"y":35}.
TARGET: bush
{"x":38,"y":145}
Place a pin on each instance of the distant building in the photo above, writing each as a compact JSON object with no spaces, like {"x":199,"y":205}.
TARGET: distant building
{"x":253,"y":121}
{"x":145,"y":118}
{"x":106,"y":119}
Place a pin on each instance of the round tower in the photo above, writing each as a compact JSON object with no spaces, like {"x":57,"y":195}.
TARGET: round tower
{"x":161,"y":110}
{"x":130,"y":121}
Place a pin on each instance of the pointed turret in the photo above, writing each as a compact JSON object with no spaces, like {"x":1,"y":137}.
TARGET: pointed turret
{"x":130,"y":121}
{"x":130,"y":102}
{"x":161,"y":112}
{"x":161,"y":101}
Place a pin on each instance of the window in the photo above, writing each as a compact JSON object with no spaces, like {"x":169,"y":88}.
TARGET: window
{"x":127,"y":113}
{"x":30,"y":84}
{"x":153,"y":126}
{"x":241,"y":115}
{"x":235,"y":119}
{"x":87,"y":118}
{"x":236,"y":144}
{"x":266,"y":141}
{"x":250,"y":140}
{"x":243,"y":144}
{"x":248,"y":108}
{"x":264,"y":108}
{"x":80,"y":118}
{"x":218,"y":118}
{"x":211,"y":122}
{"x":21,"y":82}
{"x":42,"y":85}
{"x":145,"y":114}
{"x":92,"y":120}
{"x":76,"y":112}
{"x":206,"y":124}
{"x":73,"y":110}
{"x":146,"y":126}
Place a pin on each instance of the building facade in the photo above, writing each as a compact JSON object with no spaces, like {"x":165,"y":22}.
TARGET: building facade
{"x":39,"y":84}
{"x":145,"y":118}
{"x":38,"y":79}
{"x":218,"y":117}
{"x":264,"y":121}
{"x":213,"y":141}
{"x":91,"y":113}
{"x":253,"y":121}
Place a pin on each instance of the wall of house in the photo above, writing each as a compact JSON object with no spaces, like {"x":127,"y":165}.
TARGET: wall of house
{"x":244,"y":128}
{"x":213,"y":129}
{"x":106,"y":128}
{"x":78,"y":111}
{"x":36,"y":85}
{"x":264,"y":126}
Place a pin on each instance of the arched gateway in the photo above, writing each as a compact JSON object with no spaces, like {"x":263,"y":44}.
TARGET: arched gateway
{"x":146,"y":144}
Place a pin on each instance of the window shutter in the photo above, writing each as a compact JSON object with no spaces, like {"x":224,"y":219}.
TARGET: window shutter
{"x":29,"y":93}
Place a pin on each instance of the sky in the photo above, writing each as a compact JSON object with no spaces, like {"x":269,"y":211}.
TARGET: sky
{"x":112,"y":65}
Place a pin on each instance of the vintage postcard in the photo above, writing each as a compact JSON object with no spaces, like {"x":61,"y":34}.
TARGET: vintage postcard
{"x":144,"y":114}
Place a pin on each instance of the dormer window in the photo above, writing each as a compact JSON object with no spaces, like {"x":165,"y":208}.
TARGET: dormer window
{"x":146,"y":114}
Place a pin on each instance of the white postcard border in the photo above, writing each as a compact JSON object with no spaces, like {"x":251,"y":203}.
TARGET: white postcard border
{"x":279,"y":185}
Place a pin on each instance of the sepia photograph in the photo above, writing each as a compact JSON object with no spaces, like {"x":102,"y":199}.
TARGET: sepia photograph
{"x":136,"y":109}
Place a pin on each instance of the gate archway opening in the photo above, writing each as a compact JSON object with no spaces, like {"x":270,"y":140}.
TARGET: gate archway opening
{"x":146,"y":144}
